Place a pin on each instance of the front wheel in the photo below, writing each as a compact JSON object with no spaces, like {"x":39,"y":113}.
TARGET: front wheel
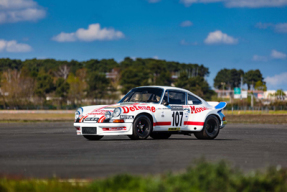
{"x":93,"y":137}
{"x":141,"y":128}
{"x":210,"y":129}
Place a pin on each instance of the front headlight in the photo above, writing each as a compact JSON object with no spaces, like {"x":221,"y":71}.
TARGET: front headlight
{"x":117,"y":112}
{"x":79,"y":113}
{"x":108,"y":115}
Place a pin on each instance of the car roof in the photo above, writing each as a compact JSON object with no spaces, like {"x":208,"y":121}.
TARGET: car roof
{"x":174,"y":88}
{"x":166,"y":87}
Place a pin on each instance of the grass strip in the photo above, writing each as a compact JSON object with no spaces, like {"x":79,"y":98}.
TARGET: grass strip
{"x":257,"y":119}
{"x":203,"y":176}
{"x":254,"y":112}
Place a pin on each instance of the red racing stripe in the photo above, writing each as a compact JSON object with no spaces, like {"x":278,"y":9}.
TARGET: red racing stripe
{"x":101,"y":120}
{"x":162,"y":123}
{"x":193,"y":123}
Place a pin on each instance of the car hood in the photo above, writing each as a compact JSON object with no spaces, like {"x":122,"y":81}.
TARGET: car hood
{"x":100,"y":110}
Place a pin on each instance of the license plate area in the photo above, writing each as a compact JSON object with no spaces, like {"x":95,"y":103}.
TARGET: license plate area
{"x":89,"y":130}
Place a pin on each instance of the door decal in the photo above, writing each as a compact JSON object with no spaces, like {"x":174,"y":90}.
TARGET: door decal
{"x":177,"y":118}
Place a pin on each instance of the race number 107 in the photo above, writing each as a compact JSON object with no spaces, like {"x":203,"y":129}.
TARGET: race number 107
{"x":177,"y":118}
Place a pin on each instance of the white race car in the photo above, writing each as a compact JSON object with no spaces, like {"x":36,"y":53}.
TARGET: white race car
{"x":155,"y":111}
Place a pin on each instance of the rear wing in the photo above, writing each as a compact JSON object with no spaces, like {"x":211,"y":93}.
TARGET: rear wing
{"x":217,"y":105}
{"x":221,"y":105}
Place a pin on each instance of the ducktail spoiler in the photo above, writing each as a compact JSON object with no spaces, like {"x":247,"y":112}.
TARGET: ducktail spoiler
{"x":221,"y":105}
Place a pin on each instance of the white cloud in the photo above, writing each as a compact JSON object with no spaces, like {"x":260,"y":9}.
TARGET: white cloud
{"x":241,"y":3}
{"x":281,"y":28}
{"x":259,"y":58}
{"x":65,"y":37}
{"x":154,"y":1}
{"x":263,"y":25}
{"x":13,"y":46}
{"x":255,"y":3}
{"x":93,"y":33}
{"x":217,"y":37}
{"x":276,"y":80}
{"x":277,"y":55}
{"x":186,"y":24}
{"x":12,"y":11}
{"x":155,"y":57}
{"x":273,"y":55}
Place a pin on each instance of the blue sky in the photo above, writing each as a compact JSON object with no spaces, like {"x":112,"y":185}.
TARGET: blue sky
{"x":242,"y":34}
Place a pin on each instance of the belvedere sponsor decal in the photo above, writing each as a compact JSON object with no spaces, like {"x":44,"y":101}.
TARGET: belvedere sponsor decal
{"x":136,"y":108}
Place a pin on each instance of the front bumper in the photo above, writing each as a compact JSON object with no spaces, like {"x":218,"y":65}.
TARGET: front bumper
{"x":105,"y":128}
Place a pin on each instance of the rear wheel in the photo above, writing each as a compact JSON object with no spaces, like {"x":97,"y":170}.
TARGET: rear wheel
{"x":210,"y":129}
{"x":141,"y":127}
{"x":160,"y":135}
{"x":93,"y":137}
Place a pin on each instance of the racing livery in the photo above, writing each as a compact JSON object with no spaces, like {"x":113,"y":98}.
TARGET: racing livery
{"x":155,"y":111}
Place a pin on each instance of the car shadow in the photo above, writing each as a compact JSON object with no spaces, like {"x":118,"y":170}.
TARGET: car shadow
{"x":170,"y":139}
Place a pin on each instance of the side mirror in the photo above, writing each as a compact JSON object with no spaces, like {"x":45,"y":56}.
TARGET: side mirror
{"x":165,"y":103}
{"x":190,"y":102}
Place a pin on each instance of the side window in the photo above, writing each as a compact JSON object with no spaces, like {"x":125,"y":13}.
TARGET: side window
{"x":176,"y":97}
{"x":194,"y":100}
{"x":165,"y":100}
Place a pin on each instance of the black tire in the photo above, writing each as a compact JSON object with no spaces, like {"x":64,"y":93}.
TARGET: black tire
{"x":160,"y":135}
{"x":93,"y":137}
{"x":210,"y":129}
{"x":142,"y":128}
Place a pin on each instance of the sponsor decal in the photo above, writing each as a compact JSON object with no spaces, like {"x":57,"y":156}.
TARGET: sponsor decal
{"x":127,"y":109}
{"x":92,"y":119}
{"x":127,"y":117}
{"x":114,"y":129}
{"x":187,"y":110}
{"x":99,"y":112}
{"x":197,"y":110}
{"x":176,"y":108}
{"x":173,"y":129}
{"x":111,"y":107}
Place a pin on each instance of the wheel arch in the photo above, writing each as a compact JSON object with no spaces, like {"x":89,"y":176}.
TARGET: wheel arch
{"x":148,"y":115}
{"x":216,"y":115}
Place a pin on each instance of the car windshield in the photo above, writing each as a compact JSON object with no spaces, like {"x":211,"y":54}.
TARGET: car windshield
{"x":147,"y":95}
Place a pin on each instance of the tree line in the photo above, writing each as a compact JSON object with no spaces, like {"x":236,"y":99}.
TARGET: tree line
{"x":49,"y":81}
{"x":231,"y":78}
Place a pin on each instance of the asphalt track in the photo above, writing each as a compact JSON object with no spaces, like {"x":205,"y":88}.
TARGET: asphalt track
{"x":44,"y":150}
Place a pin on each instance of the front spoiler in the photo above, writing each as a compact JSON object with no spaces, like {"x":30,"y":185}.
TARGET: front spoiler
{"x":106,"y":128}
